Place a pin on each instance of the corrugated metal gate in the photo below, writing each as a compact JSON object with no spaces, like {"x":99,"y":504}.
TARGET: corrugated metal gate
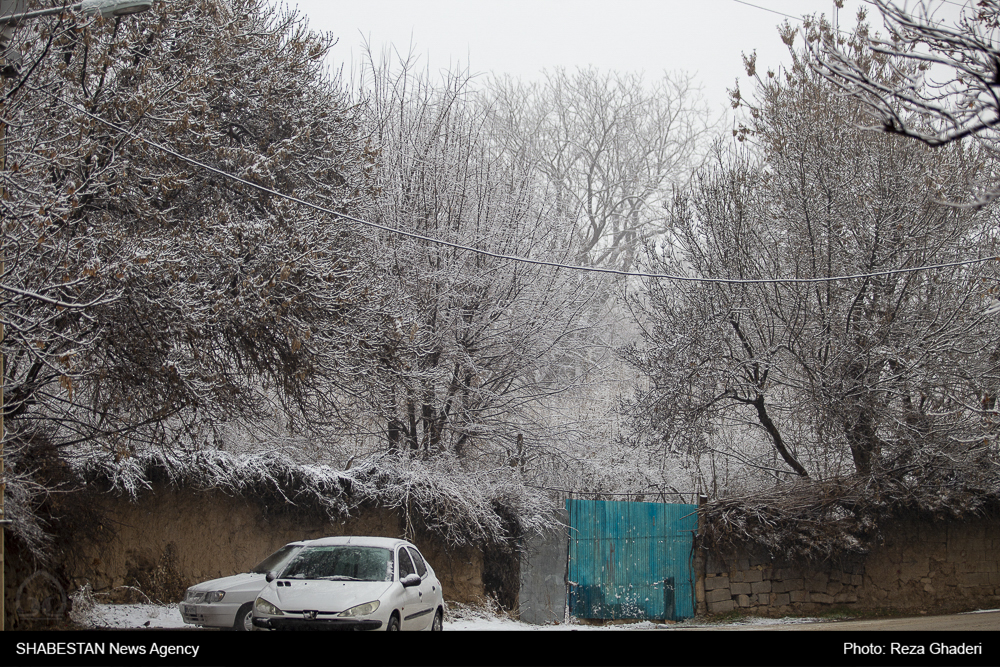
{"x":631,"y":560}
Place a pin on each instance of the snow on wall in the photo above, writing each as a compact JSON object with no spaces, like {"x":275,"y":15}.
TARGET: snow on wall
{"x":162,"y":522}
{"x":462,"y":507}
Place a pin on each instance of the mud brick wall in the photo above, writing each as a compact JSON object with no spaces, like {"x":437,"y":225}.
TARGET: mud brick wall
{"x":173,"y":538}
{"x":918,"y":564}
{"x":945,"y":565}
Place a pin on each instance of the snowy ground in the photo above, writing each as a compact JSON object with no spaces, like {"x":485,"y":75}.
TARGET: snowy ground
{"x":126,"y":616}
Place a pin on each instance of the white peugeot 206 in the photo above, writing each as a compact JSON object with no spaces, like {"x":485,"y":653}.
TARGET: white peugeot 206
{"x":352,"y":583}
{"x":228,"y":602}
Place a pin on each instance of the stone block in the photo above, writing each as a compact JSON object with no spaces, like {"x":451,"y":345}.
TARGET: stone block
{"x":798,"y":595}
{"x":743,"y":601}
{"x":761,"y":587}
{"x":721,"y":607}
{"x":751,"y":576}
{"x":792,"y":584}
{"x":718,"y":595}
{"x":818,"y":582}
{"x":711,"y":583}
{"x":782,"y":600}
{"x":821,"y":598}
{"x":740,"y":589}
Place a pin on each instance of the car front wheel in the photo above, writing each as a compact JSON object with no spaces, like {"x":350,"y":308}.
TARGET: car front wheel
{"x":244,"y":618}
{"x":393,"y":624}
{"x":438,"y":624}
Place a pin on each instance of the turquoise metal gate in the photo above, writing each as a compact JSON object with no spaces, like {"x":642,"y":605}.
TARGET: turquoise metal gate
{"x":631,"y":560}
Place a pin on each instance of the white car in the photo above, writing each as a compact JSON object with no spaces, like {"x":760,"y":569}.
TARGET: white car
{"x":228,"y":602}
{"x":352,"y":583}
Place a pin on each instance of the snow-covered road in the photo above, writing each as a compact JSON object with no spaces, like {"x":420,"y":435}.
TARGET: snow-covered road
{"x":129,"y":616}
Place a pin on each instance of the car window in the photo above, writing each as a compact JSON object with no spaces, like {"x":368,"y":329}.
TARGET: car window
{"x":418,"y":560}
{"x":405,"y":564}
{"x":351,"y":563}
{"x":276,"y":560}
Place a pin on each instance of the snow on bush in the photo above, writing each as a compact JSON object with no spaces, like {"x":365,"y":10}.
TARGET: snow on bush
{"x":463,"y":507}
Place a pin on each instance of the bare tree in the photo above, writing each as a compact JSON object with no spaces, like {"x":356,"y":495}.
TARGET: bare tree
{"x":838,"y":310}
{"x":611,"y":145}
{"x":471,"y":361}
{"x":925,"y":79}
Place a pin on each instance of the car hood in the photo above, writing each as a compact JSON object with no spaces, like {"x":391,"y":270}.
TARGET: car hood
{"x":334,"y":596}
{"x":237,"y":582}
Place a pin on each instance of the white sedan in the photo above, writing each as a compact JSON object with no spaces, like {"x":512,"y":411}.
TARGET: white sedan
{"x":352,"y":583}
{"x":228,"y":602}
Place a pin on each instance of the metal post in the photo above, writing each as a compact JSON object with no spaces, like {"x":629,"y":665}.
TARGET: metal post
{"x":699,"y":564}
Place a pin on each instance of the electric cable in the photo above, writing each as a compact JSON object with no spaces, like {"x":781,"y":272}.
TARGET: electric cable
{"x":503,"y":256}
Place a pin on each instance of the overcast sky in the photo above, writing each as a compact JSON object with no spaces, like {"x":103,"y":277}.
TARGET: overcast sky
{"x":521,"y":37}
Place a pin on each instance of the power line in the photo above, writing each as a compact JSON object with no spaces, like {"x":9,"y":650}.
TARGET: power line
{"x":502,"y":256}
{"x":773,"y":11}
{"x":799,"y":18}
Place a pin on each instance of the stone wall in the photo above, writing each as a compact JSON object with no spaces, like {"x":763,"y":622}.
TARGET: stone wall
{"x":767,"y":587}
{"x":917,"y":565}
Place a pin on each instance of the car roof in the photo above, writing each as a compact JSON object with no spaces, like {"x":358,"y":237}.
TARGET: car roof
{"x":361,"y":541}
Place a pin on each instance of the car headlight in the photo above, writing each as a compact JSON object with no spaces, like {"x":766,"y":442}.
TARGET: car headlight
{"x":199,"y":597}
{"x":265,"y":607}
{"x":361,"y":609}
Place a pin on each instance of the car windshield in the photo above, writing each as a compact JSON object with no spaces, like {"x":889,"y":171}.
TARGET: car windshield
{"x":276,"y":560}
{"x":341,"y":562}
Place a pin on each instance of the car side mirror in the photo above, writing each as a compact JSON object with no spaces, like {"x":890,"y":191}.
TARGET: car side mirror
{"x":270,"y":576}
{"x":410,"y":580}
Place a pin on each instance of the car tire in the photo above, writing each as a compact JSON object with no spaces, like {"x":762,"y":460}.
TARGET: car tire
{"x":393,"y":625}
{"x":438,"y":624}
{"x":244,"y":618}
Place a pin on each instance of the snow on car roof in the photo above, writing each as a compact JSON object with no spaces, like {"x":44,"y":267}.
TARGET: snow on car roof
{"x":384,"y":542}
